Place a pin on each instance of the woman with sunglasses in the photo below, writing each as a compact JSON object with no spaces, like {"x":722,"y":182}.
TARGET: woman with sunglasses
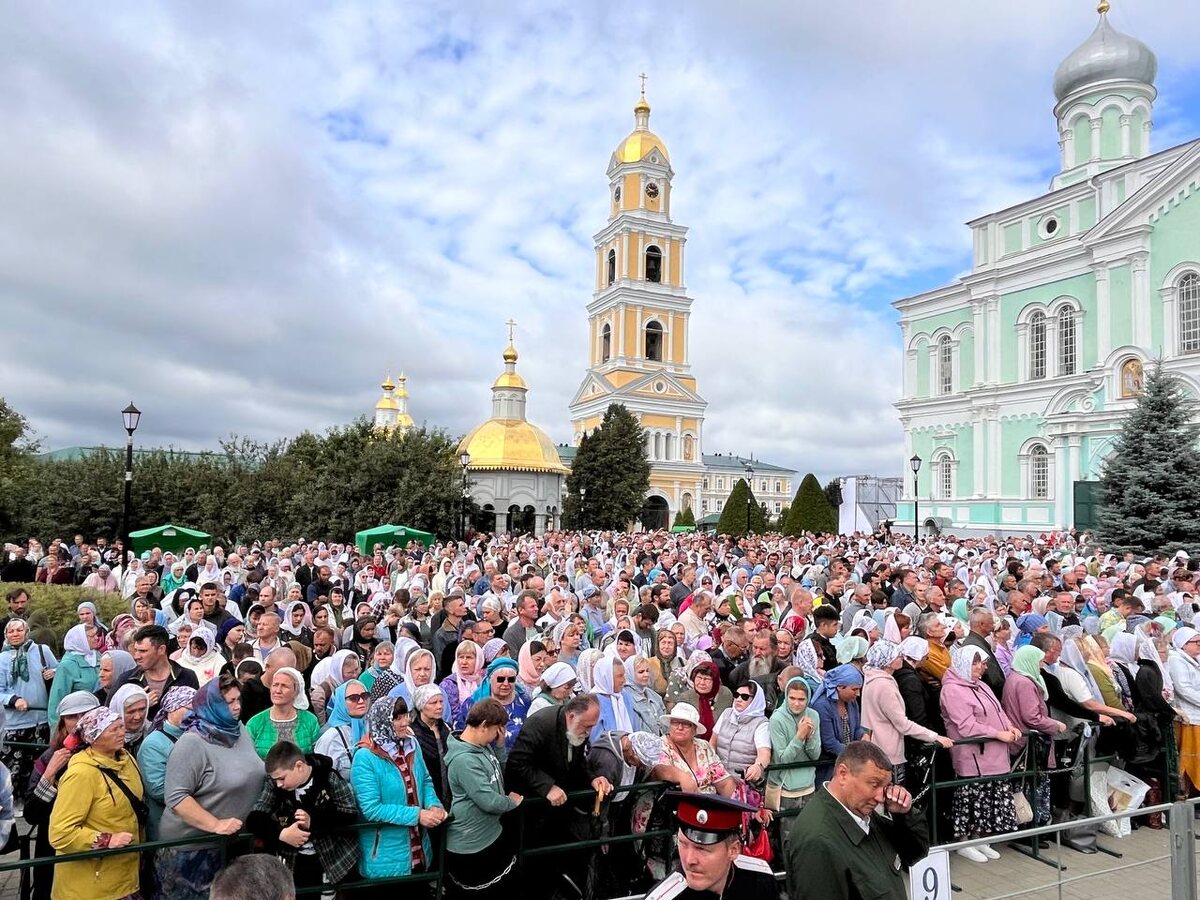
{"x":500,"y":683}
{"x":346,"y":725}
{"x":742,"y":736}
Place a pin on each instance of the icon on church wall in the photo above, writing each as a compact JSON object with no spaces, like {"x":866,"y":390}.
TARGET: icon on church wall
{"x":1131,"y":378}
{"x":687,"y":447}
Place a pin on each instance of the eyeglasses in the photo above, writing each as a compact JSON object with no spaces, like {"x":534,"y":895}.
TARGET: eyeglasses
{"x":552,"y":653}
{"x":742,"y":696}
{"x":357,"y":698}
{"x":505,"y":679}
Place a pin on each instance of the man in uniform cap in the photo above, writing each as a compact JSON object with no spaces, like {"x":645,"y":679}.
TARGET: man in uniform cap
{"x":710,"y":854}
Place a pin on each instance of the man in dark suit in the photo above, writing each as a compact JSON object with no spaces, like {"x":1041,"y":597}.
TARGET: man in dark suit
{"x":981,"y":622}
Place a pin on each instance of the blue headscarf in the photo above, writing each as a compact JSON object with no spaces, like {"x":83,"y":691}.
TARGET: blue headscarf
{"x":339,"y":713}
{"x":842,"y":676}
{"x":1027,"y":626}
{"x":484,"y":691}
{"x":210,"y":716}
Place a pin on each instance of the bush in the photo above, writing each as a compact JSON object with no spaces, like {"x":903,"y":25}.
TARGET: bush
{"x":685,"y":517}
{"x":810,"y":510}
{"x":58,"y":602}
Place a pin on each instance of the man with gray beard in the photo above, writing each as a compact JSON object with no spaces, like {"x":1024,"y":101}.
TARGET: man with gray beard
{"x":763,"y":664}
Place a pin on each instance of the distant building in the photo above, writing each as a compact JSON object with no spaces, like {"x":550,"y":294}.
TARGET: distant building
{"x":391,"y":412}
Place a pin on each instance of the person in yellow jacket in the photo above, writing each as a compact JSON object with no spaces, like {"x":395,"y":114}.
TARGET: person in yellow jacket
{"x":100,"y":806}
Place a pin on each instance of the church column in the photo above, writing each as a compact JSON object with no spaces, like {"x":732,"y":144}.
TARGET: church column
{"x":992,"y":450}
{"x":1144,"y":150}
{"x":1169,"y":295}
{"x":641,"y":256}
{"x":906,"y":484}
{"x":1066,"y":141}
{"x":993,"y":339}
{"x":1140,"y":267}
{"x":977,"y":426}
{"x":1126,"y":135}
{"x":1096,"y":124}
{"x":622,"y":263}
{"x":1103,"y":314}
{"x":977,"y":317}
{"x":1062,"y":481}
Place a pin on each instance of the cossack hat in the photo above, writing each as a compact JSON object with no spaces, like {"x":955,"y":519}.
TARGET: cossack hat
{"x":708,"y":818}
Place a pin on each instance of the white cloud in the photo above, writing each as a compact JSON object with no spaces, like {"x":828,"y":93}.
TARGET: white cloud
{"x":240,"y":217}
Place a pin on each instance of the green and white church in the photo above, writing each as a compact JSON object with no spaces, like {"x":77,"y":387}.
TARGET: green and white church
{"x":1017,"y":375}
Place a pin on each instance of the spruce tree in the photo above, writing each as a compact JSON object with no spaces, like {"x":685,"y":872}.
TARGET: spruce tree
{"x":1150,"y":501}
{"x":611,"y":466}
{"x":810,"y":510}
{"x":685,"y":517}
{"x":733,"y":515}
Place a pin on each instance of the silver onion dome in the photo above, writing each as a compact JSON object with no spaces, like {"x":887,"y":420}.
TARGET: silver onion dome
{"x":1107,"y":55}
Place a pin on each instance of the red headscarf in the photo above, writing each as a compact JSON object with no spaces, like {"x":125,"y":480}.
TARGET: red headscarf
{"x":705,"y":701}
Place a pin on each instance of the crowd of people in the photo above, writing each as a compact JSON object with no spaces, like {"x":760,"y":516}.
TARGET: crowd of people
{"x":367,"y":716}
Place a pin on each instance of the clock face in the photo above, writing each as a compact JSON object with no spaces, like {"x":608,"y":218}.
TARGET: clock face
{"x":652,"y":190}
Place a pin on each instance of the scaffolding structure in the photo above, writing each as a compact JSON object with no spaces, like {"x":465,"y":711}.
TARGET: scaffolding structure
{"x":867,"y":500}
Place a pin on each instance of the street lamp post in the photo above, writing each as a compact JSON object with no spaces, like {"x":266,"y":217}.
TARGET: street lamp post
{"x":749,"y":493}
{"x":915,"y":463}
{"x":582,"y":519}
{"x":464,"y":460}
{"x":130,"y":415}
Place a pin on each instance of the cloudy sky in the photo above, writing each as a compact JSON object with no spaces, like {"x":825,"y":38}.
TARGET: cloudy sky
{"x":242,"y":215}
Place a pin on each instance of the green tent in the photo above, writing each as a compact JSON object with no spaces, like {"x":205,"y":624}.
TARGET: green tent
{"x":175,"y":538}
{"x":682,"y":529}
{"x":389,"y":535}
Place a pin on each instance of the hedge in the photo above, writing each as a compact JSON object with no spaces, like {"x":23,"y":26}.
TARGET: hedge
{"x":58,"y":603}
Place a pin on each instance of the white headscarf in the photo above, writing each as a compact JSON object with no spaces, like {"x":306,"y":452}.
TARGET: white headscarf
{"x":330,"y":668}
{"x":757,"y":709}
{"x":963,"y":658}
{"x":602,"y":685}
{"x":76,"y":641}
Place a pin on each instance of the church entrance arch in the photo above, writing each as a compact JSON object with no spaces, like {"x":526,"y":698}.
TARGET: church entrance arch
{"x":655,"y":513}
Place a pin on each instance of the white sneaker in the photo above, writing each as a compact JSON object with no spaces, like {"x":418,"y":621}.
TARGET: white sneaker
{"x":973,"y":854}
{"x":986,"y":850}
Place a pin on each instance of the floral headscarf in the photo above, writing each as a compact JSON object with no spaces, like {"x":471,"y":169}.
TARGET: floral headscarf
{"x":95,"y":722}
{"x":882,"y":654}
{"x":177,"y":698}
{"x":381,"y":733}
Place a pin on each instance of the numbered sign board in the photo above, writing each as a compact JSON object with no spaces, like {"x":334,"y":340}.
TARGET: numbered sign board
{"x":929,"y":879}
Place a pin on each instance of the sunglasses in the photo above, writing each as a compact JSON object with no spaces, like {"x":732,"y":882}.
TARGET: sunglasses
{"x":505,"y":679}
{"x":552,"y":653}
{"x":742,"y":696}
{"x":357,"y":698}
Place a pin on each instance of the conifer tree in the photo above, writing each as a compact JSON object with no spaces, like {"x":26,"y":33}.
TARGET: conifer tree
{"x":612,"y":469}
{"x":1150,"y":501}
{"x":733,"y":516}
{"x":810,"y":510}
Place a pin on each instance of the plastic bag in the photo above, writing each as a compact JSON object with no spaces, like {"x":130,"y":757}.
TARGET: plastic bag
{"x":1125,"y":792}
{"x":1098,"y":793}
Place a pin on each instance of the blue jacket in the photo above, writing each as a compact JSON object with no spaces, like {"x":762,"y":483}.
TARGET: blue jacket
{"x":379,"y":788}
{"x":32,"y":690}
{"x":831,"y":737}
{"x":608,"y":719}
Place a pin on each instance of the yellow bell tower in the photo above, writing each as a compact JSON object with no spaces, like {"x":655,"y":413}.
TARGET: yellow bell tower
{"x":639,"y":317}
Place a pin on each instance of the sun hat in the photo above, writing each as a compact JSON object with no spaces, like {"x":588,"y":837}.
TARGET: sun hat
{"x":682,"y":712}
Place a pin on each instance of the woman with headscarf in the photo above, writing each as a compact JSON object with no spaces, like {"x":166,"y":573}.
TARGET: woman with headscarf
{"x":1002,"y":643}
{"x":556,"y":686}
{"x":173,"y":578}
{"x":646,"y":705}
{"x":25,"y":698}
{"x":853,"y":651}
{"x":327,"y":675}
{"x":1024,"y":702}
{"x":883,"y":709}
{"x":500,"y":683}
{"x":381,"y":659}
{"x":79,"y":669}
{"x":156,"y":748}
{"x":419,"y":670}
{"x":532,"y":660}
{"x":707,"y":695}
{"x":608,"y":685}
{"x":742,"y":736}
{"x":363,"y":640}
{"x":1184,"y":668}
{"x":395,"y":793}
{"x":493,"y":650}
{"x":665,"y":662}
{"x":146,"y":612}
{"x":346,"y":725}
{"x":837,"y":705}
{"x":984,"y":805}
{"x":287,"y":718}
{"x":795,"y":731}
{"x":131,"y":702}
{"x":464,"y":680}
{"x":296,"y":623}
{"x":811,"y":665}
{"x":214,"y":777}
{"x":586,"y":666}
{"x":99,"y":807}
{"x":230,"y":633}
{"x":431,"y":732}
{"x":202,"y":656}
{"x":1028,"y":625}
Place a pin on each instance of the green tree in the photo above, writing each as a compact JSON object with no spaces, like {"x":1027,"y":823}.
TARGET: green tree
{"x":685,"y":516}
{"x":733,"y":515}
{"x":611,"y":469}
{"x":16,"y":448}
{"x":810,"y":510}
{"x":781,"y":519}
{"x":1149,"y":502}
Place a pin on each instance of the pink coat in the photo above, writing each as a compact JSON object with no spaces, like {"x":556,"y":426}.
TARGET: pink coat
{"x":971,"y":710}
{"x":1024,"y":705}
{"x":883,"y":713}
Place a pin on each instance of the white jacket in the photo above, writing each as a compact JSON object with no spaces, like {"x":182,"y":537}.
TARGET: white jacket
{"x":1185,"y":676}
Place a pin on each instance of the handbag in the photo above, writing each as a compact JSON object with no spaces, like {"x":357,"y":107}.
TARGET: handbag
{"x":1021,"y":803}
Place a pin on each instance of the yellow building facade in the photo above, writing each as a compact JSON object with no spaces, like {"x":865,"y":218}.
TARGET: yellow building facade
{"x":638,"y":322}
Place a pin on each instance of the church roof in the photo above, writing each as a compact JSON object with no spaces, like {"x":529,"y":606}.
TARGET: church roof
{"x":1107,"y":55}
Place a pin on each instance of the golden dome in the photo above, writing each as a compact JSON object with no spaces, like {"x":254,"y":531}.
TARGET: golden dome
{"x":510,"y":380}
{"x":514,"y":445}
{"x":510,"y":353}
{"x":404,"y":420}
{"x":401,"y":390}
{"x":641,"y":140}
{"x":387,"y":382}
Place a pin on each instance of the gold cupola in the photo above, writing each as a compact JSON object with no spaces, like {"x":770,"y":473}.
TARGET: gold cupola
{"x":508,"y":441}
{"x":641,"y":140}
{"x":391,"y":410}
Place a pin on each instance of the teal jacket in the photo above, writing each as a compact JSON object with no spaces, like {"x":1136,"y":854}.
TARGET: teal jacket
{"x":152,"y":760}
{"x":379,"y":788}
{"x":478,"y":798}
{"x":73,"y":674}
{"x":786,"y":749}
{"x":265,"y":736}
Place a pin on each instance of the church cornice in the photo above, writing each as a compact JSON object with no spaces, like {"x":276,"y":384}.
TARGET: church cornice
{"x":640,"y":293}
{"x":637,"y":221}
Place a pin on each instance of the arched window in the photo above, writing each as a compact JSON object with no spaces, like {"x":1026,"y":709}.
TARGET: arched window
{"x":654,"y":341}
{"x":944,"y":482}
{"x":945,"y":359}
{"x":1037,"y":345}
{"x":612,"y":266}
{"x":1188,"y":294}
{"x":1039,"y":473}
{"x":653,"y":264}
{"x":605,"y":343}
{"x":1067,"y":352}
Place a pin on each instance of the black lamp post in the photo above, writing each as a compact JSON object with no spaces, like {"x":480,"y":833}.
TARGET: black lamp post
{"x":582,"y":519}
{"x":464,"y":460}
{"x":130,"y":415}
{"x":915,"y":463}
{"x":749,"y":493}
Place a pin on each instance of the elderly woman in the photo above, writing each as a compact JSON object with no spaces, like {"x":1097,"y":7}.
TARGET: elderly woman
{"x":1024,"y":702}
{"x":687,"y":761}
{"x":647,"y":706}
{"x":395,"y":793}
{"x":156,"y":748}
{"x":131,"y":702}
{"x":381,"y":660}
{"x":79,"y":668}
{"x":327,"y":675}
{"x":984,"y":805}
{"x":287,"y":718}
{"x":431,"y":733}
{"x":557,"y":685}
{"x":742,"y":736}
{"x":418,"y":671}
{"x":883,"y":709}
{"x":461,"y":683}
{"x":616,"y":709}
{"x":346,"y":726}
{"x":1183,"y":666}
{"x":25,"y":669}
{"x":795,"y":731}
{"x":500,"y":683}
{"x":837,"y":705}
{"x":707,"y":695}
{"x":214,"y":777}
{"x":98,"y":808}
{"x":203,"y":656}
{"x":665,"y":661}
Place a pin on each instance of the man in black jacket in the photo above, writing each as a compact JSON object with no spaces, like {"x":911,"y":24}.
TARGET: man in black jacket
{"x":155,"y":672}
{"x":980,"y":622}
{"x":549,"y":760}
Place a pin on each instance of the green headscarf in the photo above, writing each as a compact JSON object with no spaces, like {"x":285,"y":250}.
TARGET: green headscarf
{"x":1027,"y":661}
{"x":960,"y":610}
{"x":1112,"y":631}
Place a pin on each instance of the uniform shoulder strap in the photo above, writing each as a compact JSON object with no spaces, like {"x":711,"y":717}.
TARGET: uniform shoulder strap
{"x":671,"y":886}
{"x":753,"y":864}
